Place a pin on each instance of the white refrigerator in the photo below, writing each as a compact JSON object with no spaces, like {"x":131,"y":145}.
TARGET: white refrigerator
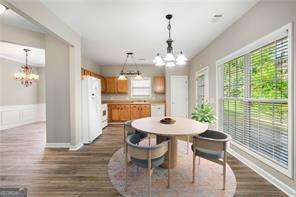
{"x":91,"y":109}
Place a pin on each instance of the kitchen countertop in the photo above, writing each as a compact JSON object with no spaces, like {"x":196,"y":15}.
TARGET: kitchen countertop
{"x":133,"y":102}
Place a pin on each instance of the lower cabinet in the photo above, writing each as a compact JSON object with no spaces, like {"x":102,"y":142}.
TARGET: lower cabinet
{"x":124,"y":112}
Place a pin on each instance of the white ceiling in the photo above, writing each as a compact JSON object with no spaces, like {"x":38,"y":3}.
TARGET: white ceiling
{"x":110,"y":28}
{"x":14,"y":52}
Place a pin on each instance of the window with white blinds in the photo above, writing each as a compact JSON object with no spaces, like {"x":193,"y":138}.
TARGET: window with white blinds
{"x":141,"y":88}
{"x":254,"y":101}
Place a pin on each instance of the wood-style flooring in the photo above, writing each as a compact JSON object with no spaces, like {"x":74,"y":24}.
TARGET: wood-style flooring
{"x":59,"y":172}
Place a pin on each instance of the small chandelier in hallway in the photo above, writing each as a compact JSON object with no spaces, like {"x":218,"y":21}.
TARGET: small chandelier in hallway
{"x":25,"y":76}
{"x":170,"y":60}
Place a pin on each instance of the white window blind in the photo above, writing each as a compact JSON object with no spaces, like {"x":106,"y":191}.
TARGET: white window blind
{"x":141,"y":88}
{"x":254,"y":105}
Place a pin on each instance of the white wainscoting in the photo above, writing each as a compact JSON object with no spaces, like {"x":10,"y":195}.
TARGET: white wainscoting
{"x":17,"y":115}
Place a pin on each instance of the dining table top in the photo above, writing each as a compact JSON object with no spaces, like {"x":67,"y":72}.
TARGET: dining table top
{"x":182,"y":126}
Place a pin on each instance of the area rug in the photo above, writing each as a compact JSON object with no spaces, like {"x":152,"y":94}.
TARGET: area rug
{"x":208,"y":181}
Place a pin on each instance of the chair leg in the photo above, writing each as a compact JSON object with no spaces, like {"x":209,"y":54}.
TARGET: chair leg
{"x":149,"y":173}
{"x":169,"y":167}
{"x":124,"y":136}
{"x":193,"y":169}
{"x":224,"y":169}
{"x":187,"y":145}
{"x":149,"y":139}
{"x":126,"y":166}
{"x":198,"y":160}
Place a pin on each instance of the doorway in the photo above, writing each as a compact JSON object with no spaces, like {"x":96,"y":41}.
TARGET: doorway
{"x":179,"y":96}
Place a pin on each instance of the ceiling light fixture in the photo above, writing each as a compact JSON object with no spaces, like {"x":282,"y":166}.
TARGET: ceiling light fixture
{"x":123,"y":74}
{"x":169,"y":60}
{"x":2,"y":9}
{"x":25,"y":76}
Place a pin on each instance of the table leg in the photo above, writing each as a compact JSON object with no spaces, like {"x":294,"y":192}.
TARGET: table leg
{"x":174,"y":150}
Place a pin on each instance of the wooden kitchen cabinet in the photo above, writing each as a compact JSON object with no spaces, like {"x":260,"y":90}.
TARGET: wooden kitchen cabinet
{"x":159,"y":84}
{"x":114,"y":112}
{"x":125,"y":112}
{"x":145,"y":110}
{"x":111,"y":84}
{"x":135,"y":111}
{"x":122,"y":86}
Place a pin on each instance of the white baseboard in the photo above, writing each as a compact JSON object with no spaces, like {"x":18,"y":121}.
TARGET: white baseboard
{"x":57,"y":145}
{"x":276,"y":182}
{"x":17,"y":115}
{"x":76,"y":147}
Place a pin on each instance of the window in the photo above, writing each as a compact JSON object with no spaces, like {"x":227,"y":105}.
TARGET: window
{"x":254,"y":101}
{"x":202,"y":87}
{"x":141,"y":88}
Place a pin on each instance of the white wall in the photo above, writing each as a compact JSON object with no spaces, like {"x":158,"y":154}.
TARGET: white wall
{"x":262,"y":19}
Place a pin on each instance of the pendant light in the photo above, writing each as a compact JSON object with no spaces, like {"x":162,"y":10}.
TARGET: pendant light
{"x":169,"y":60}
{"x":26,"y":76}
{"x":123,"y":74}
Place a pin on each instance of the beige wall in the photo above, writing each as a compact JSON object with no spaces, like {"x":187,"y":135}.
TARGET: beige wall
{"x":57,"y":91}
{"x":262,"y":19}
{"x":147,"y":70}
{"x":12,"y":92}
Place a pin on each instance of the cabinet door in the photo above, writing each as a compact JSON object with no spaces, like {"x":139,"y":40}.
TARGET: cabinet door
{"x":125,"y":112}
{"x":115,"y":113}
{"x":135,"y":112}
{"x":122,"y":86}
{"x":103,"y":84}
{"x":110,"y":112}
{"x":111,"y":84}
{"x":145,"y":111}
{"x":159,"y":84}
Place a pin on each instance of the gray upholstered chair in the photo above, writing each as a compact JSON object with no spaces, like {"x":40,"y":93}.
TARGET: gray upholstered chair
{"x":148,"y":157}
{"x":128,"y":130}
{"x":211,"y":145}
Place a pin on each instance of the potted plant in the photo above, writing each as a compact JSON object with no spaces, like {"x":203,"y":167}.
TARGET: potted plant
{"x":204,"y":113}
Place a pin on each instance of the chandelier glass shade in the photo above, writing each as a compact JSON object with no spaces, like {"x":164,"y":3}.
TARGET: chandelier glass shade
{"x":2,"y":9}
{"x":26,"y":76}
{"x":169,"y":60}
{"x":123,"y":73}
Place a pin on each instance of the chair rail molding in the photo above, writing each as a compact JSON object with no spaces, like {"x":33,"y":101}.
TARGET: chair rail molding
{"x":16,"y":115}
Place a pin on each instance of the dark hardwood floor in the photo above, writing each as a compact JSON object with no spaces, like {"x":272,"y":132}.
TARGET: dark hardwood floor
{"x":60,"y":172}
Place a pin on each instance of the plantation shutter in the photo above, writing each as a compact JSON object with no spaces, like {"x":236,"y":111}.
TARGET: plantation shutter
{"x":255,"y":101}
{"x":200,"y":84}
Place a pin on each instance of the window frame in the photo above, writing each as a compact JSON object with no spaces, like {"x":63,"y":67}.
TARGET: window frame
{"x":204,"y":71}
{"x":280,"y":33}
{"x":143,"y":96}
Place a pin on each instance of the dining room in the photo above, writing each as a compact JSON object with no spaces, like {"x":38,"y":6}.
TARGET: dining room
{"x":145,"y":98}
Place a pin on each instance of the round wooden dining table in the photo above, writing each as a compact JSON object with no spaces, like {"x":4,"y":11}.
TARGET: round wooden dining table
{"x":182,"y":127}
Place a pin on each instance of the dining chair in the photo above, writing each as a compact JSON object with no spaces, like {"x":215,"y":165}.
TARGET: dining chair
{"x":148,"y":157}
{"x":128,"y":130}
{"x":211,"y":145}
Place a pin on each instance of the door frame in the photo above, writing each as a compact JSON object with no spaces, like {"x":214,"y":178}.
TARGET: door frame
{"x":171,"y":89}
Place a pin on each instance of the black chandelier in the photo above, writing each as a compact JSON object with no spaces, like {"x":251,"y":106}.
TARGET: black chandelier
{"x":137,"y":73}
{"x":169,"y":60}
